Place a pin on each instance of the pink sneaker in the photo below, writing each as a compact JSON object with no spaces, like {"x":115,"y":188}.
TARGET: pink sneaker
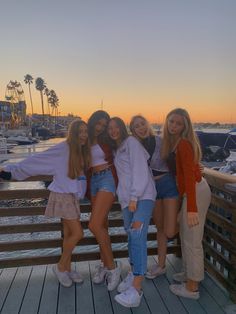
{"x":155,"y":271}
{"x":62,"y":276}
{"x":181,"y":291}
{"x":75,"y":276}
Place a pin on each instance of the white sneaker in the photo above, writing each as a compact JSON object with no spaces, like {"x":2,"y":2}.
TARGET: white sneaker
{"x":126,"y":283}
{"x":62,"y":276}
{"x":113,"y":277}
{"x":129,"y":298}
{"x":100,"y":274}
{"x":181,"y":291}
{"x":155,"y":271}
{"x":75,"y":276}
{"x":180,"y":277}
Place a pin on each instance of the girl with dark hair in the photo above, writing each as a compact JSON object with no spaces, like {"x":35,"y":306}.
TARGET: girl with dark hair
{"x":102,"y":184}
{"x":136,"y":193}
{"x":66,"y":162}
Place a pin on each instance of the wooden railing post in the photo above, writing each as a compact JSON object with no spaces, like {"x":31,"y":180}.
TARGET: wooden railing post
{"x":220,"y":230}
{"x":232,"y":271}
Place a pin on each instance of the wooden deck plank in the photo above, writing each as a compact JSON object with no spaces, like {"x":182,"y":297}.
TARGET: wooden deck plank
{"x":38,"y":291}
{"x":49,"y":299}
{"x":17,"y":291}
{"x":143,"y":308}
{"x":101,"y":297}
{"x":206,"y":300}
{"x":6,"y":278}
{"x":66,"y":302}
{"x":33,"y":292}
{"x":192,"y":306}
{"x":172,"y":302}
{"x":117,"y":308}
{"x":84,"y":297}
{"x":218,"y":293}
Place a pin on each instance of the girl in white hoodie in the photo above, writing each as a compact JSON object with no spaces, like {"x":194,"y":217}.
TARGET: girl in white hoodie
{"x":136,"y":193}
{"x":66,"y":162}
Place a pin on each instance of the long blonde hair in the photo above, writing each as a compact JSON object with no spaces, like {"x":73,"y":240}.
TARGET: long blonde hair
{"x":79,"y":155}
{"x":187,"y":133}
{"x":131,"y":125}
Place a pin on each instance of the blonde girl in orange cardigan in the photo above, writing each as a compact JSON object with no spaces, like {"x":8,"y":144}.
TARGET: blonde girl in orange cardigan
{"x":182,"y":151}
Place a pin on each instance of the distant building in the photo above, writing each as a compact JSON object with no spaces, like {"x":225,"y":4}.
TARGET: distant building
{"x":12,"y":113}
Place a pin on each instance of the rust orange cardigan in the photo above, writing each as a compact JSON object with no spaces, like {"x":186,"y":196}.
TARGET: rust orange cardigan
{"x":188,"y":173}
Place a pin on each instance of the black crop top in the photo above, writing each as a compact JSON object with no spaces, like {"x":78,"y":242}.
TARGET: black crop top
{"x":171,"y":162}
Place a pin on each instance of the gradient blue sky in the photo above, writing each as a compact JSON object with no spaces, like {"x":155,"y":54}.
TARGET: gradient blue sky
{"x":137,"y":56}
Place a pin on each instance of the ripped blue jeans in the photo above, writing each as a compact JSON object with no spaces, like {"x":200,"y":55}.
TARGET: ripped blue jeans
{"x":137,"y":237}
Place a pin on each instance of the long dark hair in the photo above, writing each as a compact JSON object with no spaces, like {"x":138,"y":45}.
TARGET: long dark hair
{"x":123,"y":131}
{"x":93,"y":120}
{"x":79,"y":155}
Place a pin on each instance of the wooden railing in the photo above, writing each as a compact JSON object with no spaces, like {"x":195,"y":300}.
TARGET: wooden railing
{"x":31,"y":239}
{"x":27,"y":238}
{"x":220,"y":230}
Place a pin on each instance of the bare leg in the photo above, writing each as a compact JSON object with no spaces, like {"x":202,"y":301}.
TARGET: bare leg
{"x":192,"y":285}
{"x":170,"y":216}
{"x":158,"y":217}
{"x":98,"y":225}
{"x":73,"y":232}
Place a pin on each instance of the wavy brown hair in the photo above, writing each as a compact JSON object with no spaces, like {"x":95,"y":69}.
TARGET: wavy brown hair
{"x":93,"y":120}
{"x":123,"y":131}
{"x":79,"y":155}
{"x":187,"y":133}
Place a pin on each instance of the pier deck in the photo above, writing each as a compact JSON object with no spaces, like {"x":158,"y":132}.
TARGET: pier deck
{"x":34,"y":289}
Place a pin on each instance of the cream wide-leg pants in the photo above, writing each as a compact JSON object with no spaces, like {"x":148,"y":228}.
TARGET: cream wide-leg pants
{"x":191,"y":237}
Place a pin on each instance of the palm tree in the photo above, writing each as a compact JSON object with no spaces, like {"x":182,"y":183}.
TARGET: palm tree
{"x":28,"y":79}
{"x":47,"y":93}
{"x":40,"y":86}
{"x":54,"y":102}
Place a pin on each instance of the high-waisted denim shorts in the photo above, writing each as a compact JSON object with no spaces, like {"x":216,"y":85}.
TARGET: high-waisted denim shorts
{"x":166,"y":187}
{"x":103,"y":181}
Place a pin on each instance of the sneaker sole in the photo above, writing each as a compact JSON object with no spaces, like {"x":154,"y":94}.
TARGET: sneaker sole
{"x":185,"y":296}
{"x":154,"y":276}
{"x":126,"y":304}
{"x":66,"y":286}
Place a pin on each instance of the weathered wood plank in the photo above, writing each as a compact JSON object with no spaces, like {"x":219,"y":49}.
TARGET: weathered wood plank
{"x":101,"y":298}
{"x":222,"y":203}
{"x":6,"y":278}
{"x":216,"y":254}
{"x":49,"y":299}
{"x":57,"y":243}
{"x":66,"y":302}
{"x":83,"y":293}
{"x":209,"y":291}
{"x":33,"y":292}
{"x":17,"y":291}
{"x":192,"y":306}
{"x":117,"y":309}
{"x":23,"y":194}
{"x":219,"y":238}
{"x":221,"y":221}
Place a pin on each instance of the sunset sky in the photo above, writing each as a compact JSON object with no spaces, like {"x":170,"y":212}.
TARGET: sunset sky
{"x":132,"y":56}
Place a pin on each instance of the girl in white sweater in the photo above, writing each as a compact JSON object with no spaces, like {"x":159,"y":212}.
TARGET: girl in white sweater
{"x":136,"y":193}
{"x":66,"y":162}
